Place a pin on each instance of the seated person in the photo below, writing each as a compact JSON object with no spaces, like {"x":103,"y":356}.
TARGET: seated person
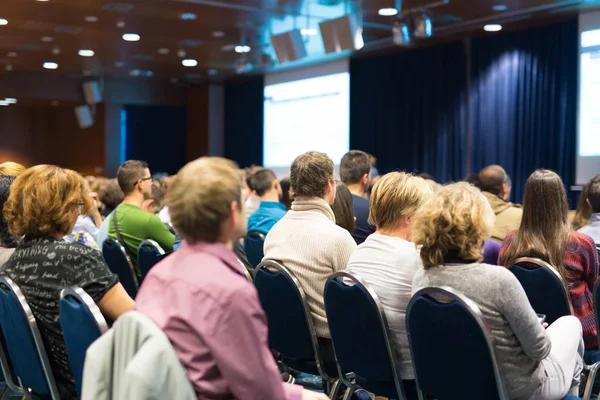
{"x":592,"y":227}
{"x":343,"y":207}
{"x":42,"y":208}
{"x":388,"y":259}
{"x":10,"y":168}
{"x":212,"y":315}
{"x":355,"y":172}
{"x":111,"y":196}
{"x":154,"y":202}
{"x":134,"y":224}
{"x":536,"y":363}
{"x":307,"y":240}
{"x":7,"y":241}
{"x":265,"y":185}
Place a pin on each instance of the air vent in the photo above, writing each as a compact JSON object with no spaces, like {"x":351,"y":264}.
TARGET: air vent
{"x":118,"y":7}
{"x":69,"y":30}
{"x":190,"y":43}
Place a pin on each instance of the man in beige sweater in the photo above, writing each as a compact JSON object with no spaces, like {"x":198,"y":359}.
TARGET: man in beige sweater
{"x":307,"y":240}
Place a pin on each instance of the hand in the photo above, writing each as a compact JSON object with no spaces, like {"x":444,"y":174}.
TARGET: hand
{"x":309,"y":395}
{"x":544,"y":325}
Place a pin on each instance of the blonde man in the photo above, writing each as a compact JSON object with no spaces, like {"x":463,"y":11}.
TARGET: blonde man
{"x":199,"y":295}
{"x":388,"y":259}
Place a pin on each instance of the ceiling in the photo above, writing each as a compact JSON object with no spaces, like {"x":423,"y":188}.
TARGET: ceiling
{"x":55,"y":30}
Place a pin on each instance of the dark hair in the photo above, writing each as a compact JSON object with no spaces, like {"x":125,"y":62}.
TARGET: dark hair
{"x":285,"y":192}
{"x":593,"y":195}
{"x":261,"y":181}
{"x":6,"y":239}
{"x":426,"y":176}
{"x":111,"y":195}
{"x":473,"y":179}
{"x":492,"y":178}
{"x":129,"y":173}
{"x":310,"y":174}
{"x":343,"y":207}
{"x":249,"y":172}
{"x":354,"y":165}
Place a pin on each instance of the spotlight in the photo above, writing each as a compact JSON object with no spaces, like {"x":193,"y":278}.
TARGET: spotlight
{"x":423,"y":26}
{"x":401,"y":33}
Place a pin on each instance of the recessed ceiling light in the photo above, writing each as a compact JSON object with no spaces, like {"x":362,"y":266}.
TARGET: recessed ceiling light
{"x":163,"y":51}
{"x":500,"y":7}
{"x":50,"y":65}
{"x":10,"y":100}
{"x":120,"y":24}
{"x":181,"y":53}
{"x":91,"y":18}
{"x":492,"y":28}
{"x":135,"y":72}
{"x":387,"y":12}
{"x":3,"y":21}
{"x":41,"y":0}
{"x":11,"y":54}
{"x":187,"y":16}
{"x":86,"y":53}
{"x":308,"y":32}
{"x":189,"y":62}
{"x":47,"y":39}
{"x":242,"y":49}
{"x":218,"y":34}
{"x":131,"y":37}
{"x":56,"y":51}
{"x":3,"y":103}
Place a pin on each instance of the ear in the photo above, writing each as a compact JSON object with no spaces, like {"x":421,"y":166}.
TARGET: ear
{"x":588,"y":202}
{"x":365,"y":179}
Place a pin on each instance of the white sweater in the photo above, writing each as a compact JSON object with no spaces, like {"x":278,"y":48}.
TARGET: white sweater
{"x":309,"y":243}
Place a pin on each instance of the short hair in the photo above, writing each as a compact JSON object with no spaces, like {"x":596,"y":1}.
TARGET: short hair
{"x":42,"y":199}
{"x":200,"y":198}
{"x":129,"y":173}
{"x":6,"y":239}
{"x":157,"y":194}
{"x":249,"y":172}
{"x":453,"y":225}
{"x":491,"y":179}
{"x":343,"y":207}
{"x":354,"y":165}
{"x":397,"y":195}
{"x":285,"y":199}
{"x":473,"y":179}
{"x":593,"y":193}
{"x":10,"y":168}
{"x":262,"y":181}
{"x":111,"y":194}
{"x":310,"y":173}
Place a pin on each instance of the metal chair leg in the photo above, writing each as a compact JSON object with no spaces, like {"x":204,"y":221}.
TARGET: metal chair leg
{"x":590,"y":379}
{"x":337,"y":384}
{"x":348,"y":394}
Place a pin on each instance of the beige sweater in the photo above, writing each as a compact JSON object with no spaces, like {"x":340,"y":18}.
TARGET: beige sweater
{"x":309,"y":243}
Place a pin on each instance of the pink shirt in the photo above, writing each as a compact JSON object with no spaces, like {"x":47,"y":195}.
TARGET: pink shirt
{"x":201,"y":299}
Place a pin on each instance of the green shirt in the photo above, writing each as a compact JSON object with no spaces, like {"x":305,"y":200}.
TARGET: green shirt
{"x":136,"y":226}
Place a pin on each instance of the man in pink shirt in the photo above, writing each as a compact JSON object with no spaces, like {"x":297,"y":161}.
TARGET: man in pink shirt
{"x":200,"y":297}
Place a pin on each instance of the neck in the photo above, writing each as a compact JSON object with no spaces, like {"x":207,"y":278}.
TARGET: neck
{"x":270,"y":196}
{"x":357,"y":189}
{"x":135,"y":199}
{"x":401,"y":232}
{"x":57,"y":236}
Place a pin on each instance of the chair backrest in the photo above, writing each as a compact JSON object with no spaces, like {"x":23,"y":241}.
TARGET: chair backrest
{"x":545,"y":288}
{"x":82,"y":323}
{"x":291,"y":330}
{"x":149,"y":254}
{"x":119,"y":263}
{"x":359,"y":330}
{"x":452,"y":347}
{"x":24,"y":341}
{"x":254,"y":246}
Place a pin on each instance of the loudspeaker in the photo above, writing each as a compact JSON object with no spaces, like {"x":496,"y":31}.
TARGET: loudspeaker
{"x":289,"y":46}
{"x":91,"y":92}
{"x":84,"y":116}
{"x":344,"y":33}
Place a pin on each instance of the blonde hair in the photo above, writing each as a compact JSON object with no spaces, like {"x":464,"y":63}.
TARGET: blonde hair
{"x":453,"y":225}
{"x":397,"y":195}
{"x":10,"y":168}
{"x":200,"y":197}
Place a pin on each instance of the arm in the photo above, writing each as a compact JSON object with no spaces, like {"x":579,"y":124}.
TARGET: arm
{"x":115,"y":302}
{"x":160,"y":233}
{"x":590,"y":262}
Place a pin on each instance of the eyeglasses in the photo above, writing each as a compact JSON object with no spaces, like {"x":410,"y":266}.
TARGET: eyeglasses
{"x":144,"y":179}
{"x":80,"y":207}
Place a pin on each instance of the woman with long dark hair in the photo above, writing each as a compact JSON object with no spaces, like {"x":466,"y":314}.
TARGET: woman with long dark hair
{"x":545,"y":232}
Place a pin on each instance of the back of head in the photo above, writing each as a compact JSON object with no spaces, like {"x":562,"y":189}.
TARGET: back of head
{"x":492,"y":179}
{"x":157,"y":194}
{"x":343,"y":207}
{"x":397,"y":195}
{"x":592,"y":195}
{"x":6,"y":239}
{"x":473,"y":179}
{"x":453,"y":225}
{"x":10,"y":168}
{"x":261,"y":181}
{"x":129,"y":173}
{"x":310,"y":174}
{"x":111,"y":195}
{"x":200,"y":198}
{"x":285,"y":192}
{"x":354,"y":166}
{"x":249,"y":172}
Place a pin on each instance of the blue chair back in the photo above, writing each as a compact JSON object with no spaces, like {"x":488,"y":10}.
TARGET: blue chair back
{"x":149,"y":254}
{"x":359,"y":332}
{"x":119,"y":263}
{"x":544,"y":287}
{"x":254,"y":246}
{"x":24,"y":341}
{"x":452,"y":347}
{"x":82,"y":323}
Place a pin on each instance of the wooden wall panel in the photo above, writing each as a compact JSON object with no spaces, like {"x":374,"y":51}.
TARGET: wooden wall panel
{"x":198,"y":100}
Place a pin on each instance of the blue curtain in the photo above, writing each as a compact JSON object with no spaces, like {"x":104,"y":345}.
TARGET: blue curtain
{"x":244,"y":115}
{"x":407,"y":109}
{"x":524,"y":102}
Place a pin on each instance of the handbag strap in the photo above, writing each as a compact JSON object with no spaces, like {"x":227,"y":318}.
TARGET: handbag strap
{"x":119,"y":237}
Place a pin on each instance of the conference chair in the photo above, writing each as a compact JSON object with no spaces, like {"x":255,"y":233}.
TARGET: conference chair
{"x":360,"y":336}
{"x":592,"y":357}
{"x":119,"y":263}
{"x":544,"y":286}
{"x":82,"y":323}
{"x":291,"y":330}
{"x":24,"y":342}
{"x":149,"y":254}
{"x":254,"y":246}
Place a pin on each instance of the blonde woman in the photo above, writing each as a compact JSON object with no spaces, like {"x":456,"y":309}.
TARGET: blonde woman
{"x":536,"y":363}
{"x":10,"y":168}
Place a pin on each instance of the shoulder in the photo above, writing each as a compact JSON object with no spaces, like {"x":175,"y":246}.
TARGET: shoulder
{"x":582,"y":240}
{"x":342,"y":237}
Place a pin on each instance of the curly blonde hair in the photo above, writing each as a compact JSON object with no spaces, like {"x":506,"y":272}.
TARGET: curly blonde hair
{"x":453,"y":224}
{"x":10,"y":168}
{"x":42,"y":200}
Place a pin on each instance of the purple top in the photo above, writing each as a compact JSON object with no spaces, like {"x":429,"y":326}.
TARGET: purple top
{"x":491,"y":251}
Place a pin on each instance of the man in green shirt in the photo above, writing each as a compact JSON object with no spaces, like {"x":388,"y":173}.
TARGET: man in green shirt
{"x":136,"y":225}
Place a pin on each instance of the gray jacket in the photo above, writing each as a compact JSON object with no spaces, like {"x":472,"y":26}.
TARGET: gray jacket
{"x":134,"y":361}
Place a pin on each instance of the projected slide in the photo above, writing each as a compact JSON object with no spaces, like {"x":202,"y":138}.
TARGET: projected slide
{"x":308,"y":114}
{"x":589,"y":111}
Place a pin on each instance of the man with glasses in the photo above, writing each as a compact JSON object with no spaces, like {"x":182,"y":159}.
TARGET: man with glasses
{"x":129,"y":224}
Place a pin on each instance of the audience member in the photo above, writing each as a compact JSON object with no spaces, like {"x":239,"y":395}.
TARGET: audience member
{"x":494,"y":184}
{"x":134,"y":224}
{"x":163,"y":214}
{"x":42,"y":208}
{"x":535,"y":363}
{"x":343,"y":207}
{"x":10,"y":168}
{"x":307,"y":240}
{"x":508,"y":188}
{"x":584,"y":211}
{"x":7,"y":241}
{"x":355,"y":172}
{"x":154,"y":202}
{"x":86,"y":227}
{"x":212,"y":315}
{"x":592,"y":199}
{"x":472,"y":179}
{"x":491,"y":252}
{"x":265,"y":185}
{"x":545,"y":233}
{"x":253,"y":201}
{"x":111,"y":196}
{"x":388,"y":259}
{"x":285,"y":193}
